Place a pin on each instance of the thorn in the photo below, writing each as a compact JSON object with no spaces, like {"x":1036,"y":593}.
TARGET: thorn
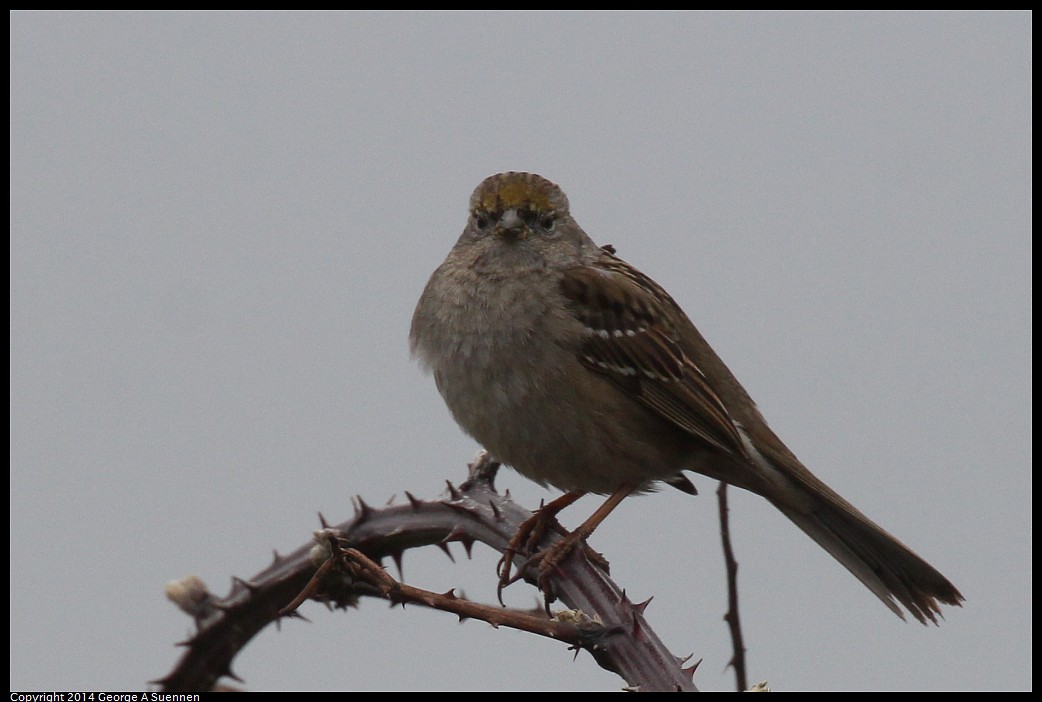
{"x":396,"y":556}
{"x":231,"y":674}
{"x":453,"y":492}
{"x":364,"y":510}
{"x":643,"y":605}
{"x":322,"y":521}
{"x":681,"y":660}
{"x":450,"y":594}
{"x":413,"y":501}
{"x":495,"y":511}
{"x":691,"y":670}
{"x":468,"y":544}
{"x":390,"y":500}
{"x":636,"y":630}
{"x":394,"y":599}
{"x":624,"y":599}
{"x":507,"y":494}
{"x":445,"y":547}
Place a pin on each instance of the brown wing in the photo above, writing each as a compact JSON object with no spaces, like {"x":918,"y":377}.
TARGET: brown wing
{"x":632,"y":339}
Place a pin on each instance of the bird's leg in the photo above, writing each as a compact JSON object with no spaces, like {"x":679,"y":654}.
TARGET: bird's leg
{"x":529,"y":534}
{"x":551,"y":556}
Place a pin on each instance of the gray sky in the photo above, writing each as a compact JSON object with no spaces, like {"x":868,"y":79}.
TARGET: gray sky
{"x":220,"y":224}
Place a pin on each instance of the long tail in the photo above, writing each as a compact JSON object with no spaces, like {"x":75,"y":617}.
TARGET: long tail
{"x":887,"y":567}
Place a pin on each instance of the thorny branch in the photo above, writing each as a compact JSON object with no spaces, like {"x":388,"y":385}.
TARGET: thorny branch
{"x":343,"y":565}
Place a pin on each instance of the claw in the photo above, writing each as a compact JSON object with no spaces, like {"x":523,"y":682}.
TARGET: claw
{"x":532,"y":532}
{"x":528,"y":534}
{"x":527,"y":540}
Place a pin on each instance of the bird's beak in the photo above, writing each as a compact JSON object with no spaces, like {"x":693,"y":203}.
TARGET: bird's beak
{"x":511,"y":226}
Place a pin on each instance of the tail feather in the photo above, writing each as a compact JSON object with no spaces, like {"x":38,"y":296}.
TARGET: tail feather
{"x":891,"y":570}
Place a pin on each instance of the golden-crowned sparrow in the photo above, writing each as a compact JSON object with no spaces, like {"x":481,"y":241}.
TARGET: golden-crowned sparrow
{"x":579,"y":371}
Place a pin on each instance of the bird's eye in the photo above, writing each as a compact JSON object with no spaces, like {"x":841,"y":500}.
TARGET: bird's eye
{"x":481,"y":220}
{"x":547,"y":221}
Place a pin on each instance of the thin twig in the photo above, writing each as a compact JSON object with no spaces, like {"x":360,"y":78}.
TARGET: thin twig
{"x":731,"y":617}
{"x":364,"y":568}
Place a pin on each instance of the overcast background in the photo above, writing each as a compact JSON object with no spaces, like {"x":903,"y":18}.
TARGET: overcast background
{"x":220,"y":225}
